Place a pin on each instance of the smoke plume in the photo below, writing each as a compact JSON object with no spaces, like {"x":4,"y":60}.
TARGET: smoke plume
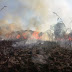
{"x":34,"y":15}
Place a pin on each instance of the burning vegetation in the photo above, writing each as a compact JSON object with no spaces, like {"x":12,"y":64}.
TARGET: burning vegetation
{"x":32,"y":50}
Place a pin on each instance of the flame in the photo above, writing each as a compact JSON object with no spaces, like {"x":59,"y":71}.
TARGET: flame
{"x":24,"y":35}
{"x":70,"y":38}
{"x":18,"y":36}
{"x":35,"y":35}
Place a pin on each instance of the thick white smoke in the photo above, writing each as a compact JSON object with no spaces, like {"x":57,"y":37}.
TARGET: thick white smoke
{"x":42,"y":10}
{"x":45,"y":8}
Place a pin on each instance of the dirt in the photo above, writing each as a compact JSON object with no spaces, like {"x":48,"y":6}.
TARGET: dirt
{"x":47,"y":57}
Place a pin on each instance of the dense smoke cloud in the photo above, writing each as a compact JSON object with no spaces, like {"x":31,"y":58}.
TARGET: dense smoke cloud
{"x":38,"y":6}
{"x":10,"y":25}
{"x":27,"y":10}
{"x":44,"y":10}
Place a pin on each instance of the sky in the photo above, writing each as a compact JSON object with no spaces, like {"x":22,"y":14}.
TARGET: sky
{"x":35,"y":14}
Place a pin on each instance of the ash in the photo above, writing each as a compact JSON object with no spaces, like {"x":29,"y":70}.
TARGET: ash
{"x":29,"y":43}
{"x":17,"y":56}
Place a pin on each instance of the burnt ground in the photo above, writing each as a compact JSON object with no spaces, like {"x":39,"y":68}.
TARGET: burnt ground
{"x":47,"y":57}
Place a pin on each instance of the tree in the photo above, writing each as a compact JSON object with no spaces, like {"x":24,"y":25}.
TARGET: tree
{"x":59,"y":28}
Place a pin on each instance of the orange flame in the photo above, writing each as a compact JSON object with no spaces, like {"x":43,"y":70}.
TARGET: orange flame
{"x":24,"y":35}
{"x":70,"y":38}
{"x":18,"y":36}
{"x":35,"y":35}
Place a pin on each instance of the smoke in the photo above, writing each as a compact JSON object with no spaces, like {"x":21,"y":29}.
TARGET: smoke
{"x":34,"y":15}
{"x":10,"y":24}
{"x":40,"y":13}
{"x":44,"y":9}
{"x":38,"y":6}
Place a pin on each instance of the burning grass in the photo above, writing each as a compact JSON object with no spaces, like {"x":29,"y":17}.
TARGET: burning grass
{"x":47,"y":57}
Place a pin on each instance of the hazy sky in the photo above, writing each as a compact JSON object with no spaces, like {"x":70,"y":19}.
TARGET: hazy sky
{"x":36,"y":14}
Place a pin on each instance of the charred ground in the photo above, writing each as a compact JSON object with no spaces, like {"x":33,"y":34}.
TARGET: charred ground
{"x":46,"y":57}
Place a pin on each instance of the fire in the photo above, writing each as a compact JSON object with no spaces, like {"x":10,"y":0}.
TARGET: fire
{"x":24,"y":35}
{"x":18,"y":36}
{"x":35,"y":35}
{"x":70,"y":38}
